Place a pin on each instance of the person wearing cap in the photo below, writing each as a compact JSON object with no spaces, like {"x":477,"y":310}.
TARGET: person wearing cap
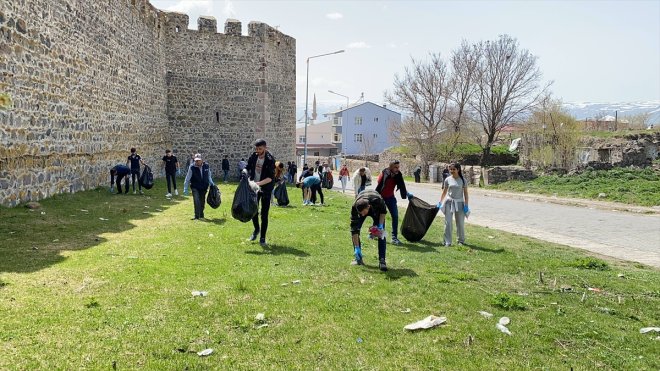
{"x":261,"y":170}
{"x":199,"y":179}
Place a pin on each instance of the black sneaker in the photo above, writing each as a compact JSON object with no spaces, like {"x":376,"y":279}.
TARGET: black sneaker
{"x":262,"y":242}
{"x":254,"y":236}
{"x":382,"y":265}
{"x":395,"y":241}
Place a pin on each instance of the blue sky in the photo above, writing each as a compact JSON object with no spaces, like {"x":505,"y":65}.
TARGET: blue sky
{"x":594,"y":51}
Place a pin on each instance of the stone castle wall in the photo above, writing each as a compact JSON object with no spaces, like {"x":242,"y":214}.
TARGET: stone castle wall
{"x":90,"y":79}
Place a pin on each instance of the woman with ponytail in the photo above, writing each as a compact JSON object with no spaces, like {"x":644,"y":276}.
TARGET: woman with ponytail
{"x":455,"y":204}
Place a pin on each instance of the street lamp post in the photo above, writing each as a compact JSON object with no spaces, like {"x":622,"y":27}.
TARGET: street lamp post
{"x":341,"y":95}
{"x":307,"y":98}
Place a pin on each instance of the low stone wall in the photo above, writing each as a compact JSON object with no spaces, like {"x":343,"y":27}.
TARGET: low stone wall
{"x":501,"y":174}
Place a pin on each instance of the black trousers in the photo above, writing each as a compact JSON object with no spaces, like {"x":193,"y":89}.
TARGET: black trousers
{"x":135,"y":176}
{"x":382,"y":244}
{"x":319,"y":189}
{"x":199,"y":201}
{"x":263,"y":197}
{"x":118,"y":182}
{"x":170,"y":177}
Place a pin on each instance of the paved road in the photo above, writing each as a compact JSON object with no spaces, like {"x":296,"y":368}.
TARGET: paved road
{"x":622,"y":235}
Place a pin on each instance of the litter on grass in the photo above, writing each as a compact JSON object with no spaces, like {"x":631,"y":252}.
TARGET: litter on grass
{"x":485,"y":314}
{"x":260,"y":317}
{"x":644,"y":330}
{"x":426,"y":323}
{"x":594,"y":289}
{"x":205,"y":352}
{"x":407,"y":310}
{"x":104,"y":219}
{"x":504,"y":321}
{"x":262,"y":326}
{"x":200,"y":293}
{"x":296,"y":282}
{"x":503,"y":328}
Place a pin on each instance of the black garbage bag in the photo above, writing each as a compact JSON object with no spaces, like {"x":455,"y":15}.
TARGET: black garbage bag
{"x":147,"y":178}
{"x":281,"y":195}
{"x":213,"y":198}
{"x":245,"y":205}
{"x":418,"y":219}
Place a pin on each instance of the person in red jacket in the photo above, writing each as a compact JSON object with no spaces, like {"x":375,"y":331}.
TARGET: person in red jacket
{"x":388,"y":180}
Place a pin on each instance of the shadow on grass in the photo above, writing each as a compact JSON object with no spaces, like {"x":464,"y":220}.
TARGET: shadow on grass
{"x":421,"y":246}
{"x":218,"y":221}
{"x":484,"y":249}
{"x":393,"y":273}
{"x":31,"y":240}
{"x":276,"y":249}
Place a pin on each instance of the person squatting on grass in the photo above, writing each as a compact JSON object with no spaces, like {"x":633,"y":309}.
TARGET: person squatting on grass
{"x":388,"y":179}
{"x":456,"y":203}
{"x":199,"y":179}
{"x":369,"y":203}
{"x":171,"y":168}
{"x":361,"y":178}
{"x":135,"y":161}
{"x":261,"y":170}
{"x":119,"y":172}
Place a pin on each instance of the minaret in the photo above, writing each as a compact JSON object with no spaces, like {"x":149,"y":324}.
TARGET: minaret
{"x":314,"y":108}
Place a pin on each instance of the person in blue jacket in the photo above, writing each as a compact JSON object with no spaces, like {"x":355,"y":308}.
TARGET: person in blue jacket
{"x":117,"y":173}
{"x":199,"y":179}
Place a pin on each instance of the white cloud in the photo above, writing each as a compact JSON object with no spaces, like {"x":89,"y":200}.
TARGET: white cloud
{"x":228,"y":9}
{"x":192,"y":6}
{"x":358,"y":45}
{"x":334,"y":16}
{"x":392,"y":45}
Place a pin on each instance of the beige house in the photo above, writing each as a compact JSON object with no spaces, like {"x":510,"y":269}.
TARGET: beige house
{"x":319,"y":140}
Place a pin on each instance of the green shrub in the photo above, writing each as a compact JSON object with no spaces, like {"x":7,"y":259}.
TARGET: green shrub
{"x":590,"y":263}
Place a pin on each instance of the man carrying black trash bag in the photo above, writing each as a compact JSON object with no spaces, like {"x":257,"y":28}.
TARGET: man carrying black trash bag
{"x":261,"y":169}
{"x":369,"y":203}
{"x":199,"y":179}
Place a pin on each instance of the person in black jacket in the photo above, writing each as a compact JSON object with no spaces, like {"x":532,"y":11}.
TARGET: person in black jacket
{"x":261,"y":169}
{"x":225,"y":168}
{"x":369,"y":203}
{"x":389,"y":179}
{"x":199,"y":179}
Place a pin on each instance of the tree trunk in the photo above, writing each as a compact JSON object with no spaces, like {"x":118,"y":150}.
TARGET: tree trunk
{"x":485,"y":155}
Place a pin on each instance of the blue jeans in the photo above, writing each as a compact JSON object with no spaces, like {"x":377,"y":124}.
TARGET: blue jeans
{"x":390,"y":202}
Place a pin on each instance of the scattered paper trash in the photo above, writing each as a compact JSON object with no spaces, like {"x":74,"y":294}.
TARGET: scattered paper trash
{"x":503,"y":328}
{"x":359,"y":340}
{"x":205,"y":352}
{"x":485,"y":314}
{"x":621,"y":275}
{"x":284,"y":284}
{"x":159,"y":210}
{"x":296,"y":282}
{"x":146,"y":207}
{"x":260,"y":317}
{"x":426,"y":323}
{"x":84,"y":211}
{"x":644,"y":330}
{"x":200,"y":293}
{"x":504,"y":321}
{"x":210,"y":234}
{"x":43,"y":213}
{"x":491,"y":237}
{"x":262,"y":326}
{"x":104,"y":219}
{"x":56,"y":240}
{"x":594,"y":289}
{"x":407,"y":310}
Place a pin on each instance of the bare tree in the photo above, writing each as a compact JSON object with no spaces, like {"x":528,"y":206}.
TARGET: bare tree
{"x":367,"y":146}
{"x":422,"y":93}
{"x":507,"y":86}
{"x":464,"y":62}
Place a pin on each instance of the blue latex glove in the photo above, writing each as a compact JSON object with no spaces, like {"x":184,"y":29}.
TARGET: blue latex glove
{"x":410,"y":195}
{"x":358,"y":253}
{"x":466,"y":209}
{"x":439,"y":205}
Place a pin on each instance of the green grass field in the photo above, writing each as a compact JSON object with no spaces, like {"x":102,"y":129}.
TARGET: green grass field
{"x":78,"y":292}
{"x":630,"y":186}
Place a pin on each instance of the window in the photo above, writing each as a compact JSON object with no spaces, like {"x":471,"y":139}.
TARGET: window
{"x":337,"y":137}
{"x":301,"y":139}
{"x":317,"y":153}
{"x":357,"y":138}
{"x":217,"y":117}
{"x":375,"y":119}
{"x":375,"y":135}
{"x":336,"y":121}
{"x":358,"y":120}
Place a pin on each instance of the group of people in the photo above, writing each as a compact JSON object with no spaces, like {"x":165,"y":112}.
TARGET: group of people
{"x":262,"y":169}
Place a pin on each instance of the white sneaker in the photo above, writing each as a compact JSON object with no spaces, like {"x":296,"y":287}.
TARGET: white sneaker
{"x":168,"y":195}
{"x":176,"y":192}
{"x":134,"y":192}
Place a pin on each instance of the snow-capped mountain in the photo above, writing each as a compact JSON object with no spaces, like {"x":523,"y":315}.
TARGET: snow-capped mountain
{"x":585,"y":110}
